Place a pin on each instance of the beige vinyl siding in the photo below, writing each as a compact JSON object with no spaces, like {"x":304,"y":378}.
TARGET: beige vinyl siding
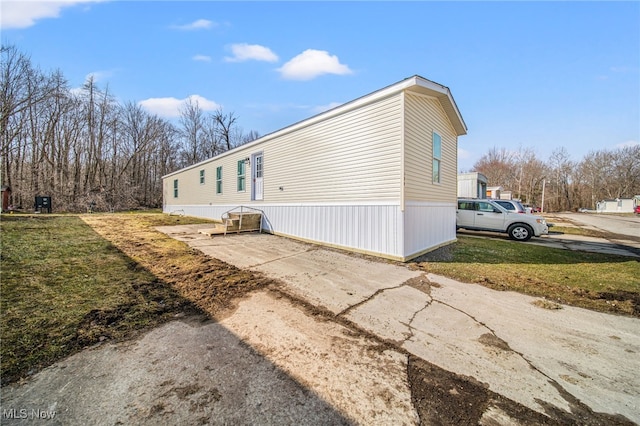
{"x":192,"y":192}
{"x":423,"y":116}
{"x":351,"y":157}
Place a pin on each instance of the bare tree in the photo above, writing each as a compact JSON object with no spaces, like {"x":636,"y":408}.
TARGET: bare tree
{"x":250,"y":137}
{"x":212,"y":144}
{"x":84,"y":148}
{"x":532,"y":173}
{"x":192,"y":122}
{"x":561,"y":166}
{"x":226,"y":125}
{"x":499,"y":166}
{"x":22,"y":88}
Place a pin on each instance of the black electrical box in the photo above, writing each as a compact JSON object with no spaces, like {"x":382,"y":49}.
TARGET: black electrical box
{"x":43,"y":204}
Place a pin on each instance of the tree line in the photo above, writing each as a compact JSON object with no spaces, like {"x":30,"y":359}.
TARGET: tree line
{"x":84,"y":148}
{"x":567,"y":185}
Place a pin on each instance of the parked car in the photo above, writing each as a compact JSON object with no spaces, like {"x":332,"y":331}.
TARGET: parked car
{"x":636,"y":210}
{"x":489,"y":215}
{"x":512,"y":206}
{"x":530,"y":208}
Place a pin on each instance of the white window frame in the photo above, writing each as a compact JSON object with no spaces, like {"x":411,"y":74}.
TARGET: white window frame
{"x":241,"y":181}
{"x":436,"y":163}
{"x":219,"y":180}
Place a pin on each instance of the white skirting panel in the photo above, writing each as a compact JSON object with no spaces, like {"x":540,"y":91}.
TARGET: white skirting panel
{"x":428,"y":225}
{"x":373,"y":228}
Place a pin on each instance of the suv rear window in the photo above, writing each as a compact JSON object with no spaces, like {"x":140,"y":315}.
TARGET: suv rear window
{"x":507,"y":205}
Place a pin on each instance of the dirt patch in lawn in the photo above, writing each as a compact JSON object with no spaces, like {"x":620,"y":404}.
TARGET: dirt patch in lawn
{"x":212,"y":285}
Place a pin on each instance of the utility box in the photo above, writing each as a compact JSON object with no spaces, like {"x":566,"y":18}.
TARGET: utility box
{"x":6,"y":197}
{"x":43,"y":204}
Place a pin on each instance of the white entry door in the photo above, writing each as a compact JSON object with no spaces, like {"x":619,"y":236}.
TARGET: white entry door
{"x":257,"y":187}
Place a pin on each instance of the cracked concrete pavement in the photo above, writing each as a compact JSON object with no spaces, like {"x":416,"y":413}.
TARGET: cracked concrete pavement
{"x":567,"y":360}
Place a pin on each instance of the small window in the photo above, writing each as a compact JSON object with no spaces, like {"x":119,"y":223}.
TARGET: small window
{"x":219,"y":180}
{"x":175,"y":188}
{"x":485,"y":207}
{"x":437,"y":156}
{"x":466,"y":205}
{"x":507,"y":205}
{"x":201,"y":177}
{"x":241,"y":176}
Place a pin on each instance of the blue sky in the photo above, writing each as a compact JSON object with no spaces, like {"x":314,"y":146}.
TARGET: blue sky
{"x":537,"y":75}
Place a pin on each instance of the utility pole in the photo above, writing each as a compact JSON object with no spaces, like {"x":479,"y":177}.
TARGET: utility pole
{"x":544,"y":181}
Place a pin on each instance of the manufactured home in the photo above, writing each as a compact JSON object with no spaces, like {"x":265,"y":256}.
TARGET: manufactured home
{"x":618,"y":205}
{"x":376,"y":175}
{"x":472,"y":185}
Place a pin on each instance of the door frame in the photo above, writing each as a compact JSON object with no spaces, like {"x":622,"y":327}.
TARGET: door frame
{"x":254,"y":173}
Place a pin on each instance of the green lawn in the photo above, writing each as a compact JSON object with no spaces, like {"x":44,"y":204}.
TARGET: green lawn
{"x":598,"y":281}
{"x":63,"y":287}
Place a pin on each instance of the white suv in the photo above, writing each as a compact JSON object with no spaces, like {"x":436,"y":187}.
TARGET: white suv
{"x":487,"y":215}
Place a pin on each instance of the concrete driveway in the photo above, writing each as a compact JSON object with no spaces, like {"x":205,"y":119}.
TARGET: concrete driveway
{"x":552,"y":361}
{"x":628,"y":225}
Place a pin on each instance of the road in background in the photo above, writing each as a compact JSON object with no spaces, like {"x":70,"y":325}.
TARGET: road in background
{"x":624,"y":225}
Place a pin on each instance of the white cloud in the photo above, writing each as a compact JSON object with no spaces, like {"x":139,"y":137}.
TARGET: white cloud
{"x":627,"y":144}
{"x":199,"y":24}
{"x":623,"y":69}
{"x":202,"y":58}
{"x":323,"y":108}
{"x":100,"y":75}
{"x":170,"y":107}
{"x":245,"y":52}
{"x":312,"y":63}
{"x":25,"y":13}
{"x":76,"y":91}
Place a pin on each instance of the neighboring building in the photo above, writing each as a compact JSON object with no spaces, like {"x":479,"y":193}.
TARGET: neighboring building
{"x":472,"y":185}
{"x":506,"y":195}
{"x":619,"y":205}
{"x":375,"y":175}
{"x":494,"y":192}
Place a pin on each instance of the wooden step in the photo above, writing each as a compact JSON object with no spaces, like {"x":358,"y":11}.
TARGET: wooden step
{"x":235,"y":223}
{"x":217,"y":230}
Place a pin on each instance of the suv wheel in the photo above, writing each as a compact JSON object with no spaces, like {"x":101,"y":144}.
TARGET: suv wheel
{"x":520,"y":232}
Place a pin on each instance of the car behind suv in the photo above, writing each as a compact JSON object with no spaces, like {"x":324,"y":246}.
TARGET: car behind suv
{"x":511,"y":205}
{"x":487,"y":215}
